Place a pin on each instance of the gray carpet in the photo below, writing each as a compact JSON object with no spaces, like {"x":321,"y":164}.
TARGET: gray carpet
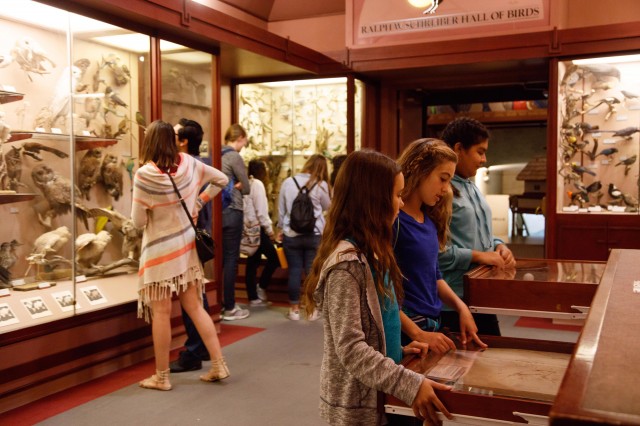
{"x":274,"y":381}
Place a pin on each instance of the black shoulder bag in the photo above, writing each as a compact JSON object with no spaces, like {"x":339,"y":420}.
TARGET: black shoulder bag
{"x":204,"y":241}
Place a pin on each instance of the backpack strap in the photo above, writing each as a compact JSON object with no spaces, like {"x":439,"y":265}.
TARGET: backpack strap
{"x":300,"y":189}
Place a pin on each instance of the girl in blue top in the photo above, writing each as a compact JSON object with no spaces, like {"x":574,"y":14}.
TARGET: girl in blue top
{"x":421,"y":230}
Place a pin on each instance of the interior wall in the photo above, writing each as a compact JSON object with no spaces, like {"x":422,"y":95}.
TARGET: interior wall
{"x":325,"y":34}
{"x":584,"y":13}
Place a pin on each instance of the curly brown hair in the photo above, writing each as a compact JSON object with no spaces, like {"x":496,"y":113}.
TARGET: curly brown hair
{"x":417,"y":161}
{"x":362,"y":211}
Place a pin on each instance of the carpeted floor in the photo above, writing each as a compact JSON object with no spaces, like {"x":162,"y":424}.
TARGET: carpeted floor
{"x":274,"y":363}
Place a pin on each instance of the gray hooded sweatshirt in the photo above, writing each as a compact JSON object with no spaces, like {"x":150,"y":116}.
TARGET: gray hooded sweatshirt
{"x":355,"y":372}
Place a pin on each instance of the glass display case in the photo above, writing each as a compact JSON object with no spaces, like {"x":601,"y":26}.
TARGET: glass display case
{"x":598,"y":140}
{"x":535,"y":287}
{"x":288,"y":121}
{"x":74,"y":99}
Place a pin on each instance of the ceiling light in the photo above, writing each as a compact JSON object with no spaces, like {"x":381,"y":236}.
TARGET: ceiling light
{"x":607,"y":60}
{"x":420,"y":3}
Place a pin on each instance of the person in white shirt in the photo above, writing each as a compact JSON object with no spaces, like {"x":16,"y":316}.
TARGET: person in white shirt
{"x":258,"y":295}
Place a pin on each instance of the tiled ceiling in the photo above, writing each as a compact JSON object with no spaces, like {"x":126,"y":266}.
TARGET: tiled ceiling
{"x":283,"y":10}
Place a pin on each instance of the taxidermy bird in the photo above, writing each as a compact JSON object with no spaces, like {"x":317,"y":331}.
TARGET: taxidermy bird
{"x":57,"y":191}
{"x":581,"y":170}
{"x":113,"y":98}
{"x":13,"y":158}
{"x":31,"y":57}
{"x":627,"y":162}
{"x":129,"y":166}
{"x":89,"y":171}
{"x":33,"y":149}
{"x":111,"y":176}
{"x":594,"y":187}
{"x":8,"y":255}
{"x":608,"y":152}
{"x":89,"y":248}
{"x":132,"y":235}
{"x":627,"y":132}
{"x":61,"y":102}
{"x":614,"y":192}
{"x":48,"y":244}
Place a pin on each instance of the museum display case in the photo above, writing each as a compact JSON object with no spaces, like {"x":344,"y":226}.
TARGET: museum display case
{"x":288,"y":121}
{"x":513,"y":380}
{"x":73,"y":111}
{"x":598,"y":140}
{"x":535,"y":288}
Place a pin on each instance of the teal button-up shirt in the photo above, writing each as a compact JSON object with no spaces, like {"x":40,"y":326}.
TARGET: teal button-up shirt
{"x":470,"y":230}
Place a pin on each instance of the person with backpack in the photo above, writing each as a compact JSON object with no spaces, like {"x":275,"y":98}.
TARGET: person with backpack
{"x":303,"y":199}
{"x":232,"y":217}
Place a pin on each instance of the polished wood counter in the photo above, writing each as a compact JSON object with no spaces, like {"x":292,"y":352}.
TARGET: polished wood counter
{"x":601,"y":385}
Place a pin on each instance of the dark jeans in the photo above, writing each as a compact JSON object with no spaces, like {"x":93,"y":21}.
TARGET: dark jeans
{"x":488,"y":324}
{"x":195,"y":348}
{"x":300,"y":252}
{"x":266,"y":247}
{"x":231,"y":235}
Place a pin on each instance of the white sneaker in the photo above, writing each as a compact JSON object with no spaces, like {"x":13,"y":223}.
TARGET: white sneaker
{"x":262,"y":294}
{"x":237,"y":313}
{"x":315,"y":315}
{"x":257,"y":303}
{"x":293,"y":315}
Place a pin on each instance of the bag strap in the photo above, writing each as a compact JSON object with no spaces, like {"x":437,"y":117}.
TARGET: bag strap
{"x":184,"y":206}
{"x":300,"y":189}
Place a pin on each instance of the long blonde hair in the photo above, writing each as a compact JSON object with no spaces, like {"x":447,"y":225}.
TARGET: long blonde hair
{"x":362,"y":211}
{"x":418,"y":161}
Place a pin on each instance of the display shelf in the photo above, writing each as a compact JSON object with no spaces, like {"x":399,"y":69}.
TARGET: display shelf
{"x":187,"y":104}
{"x":491,"y":116}
{"x":82,"y":142}
{"x":6,"y":97}
{"x":15,"y":198}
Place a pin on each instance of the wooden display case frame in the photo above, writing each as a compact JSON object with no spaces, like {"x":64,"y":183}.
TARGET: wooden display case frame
{"x":476,"y":408}
{"x":490,"y":290}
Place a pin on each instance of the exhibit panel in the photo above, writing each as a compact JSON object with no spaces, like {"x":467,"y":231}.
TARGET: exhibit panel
{"x":74,"y":107}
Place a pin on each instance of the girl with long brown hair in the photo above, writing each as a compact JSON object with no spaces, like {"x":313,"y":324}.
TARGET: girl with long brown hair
{"x":355,"y":281}
{"x":169,"y":263}
{"x":421,"y":232}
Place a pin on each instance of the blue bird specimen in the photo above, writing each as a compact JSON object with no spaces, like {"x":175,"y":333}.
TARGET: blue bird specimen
{"x":608,"y":152}
{"x":627,"y":162}
{"x":581,"y":170}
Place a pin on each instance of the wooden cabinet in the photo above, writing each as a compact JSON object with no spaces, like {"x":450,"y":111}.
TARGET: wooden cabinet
{"x":592,"y":237}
